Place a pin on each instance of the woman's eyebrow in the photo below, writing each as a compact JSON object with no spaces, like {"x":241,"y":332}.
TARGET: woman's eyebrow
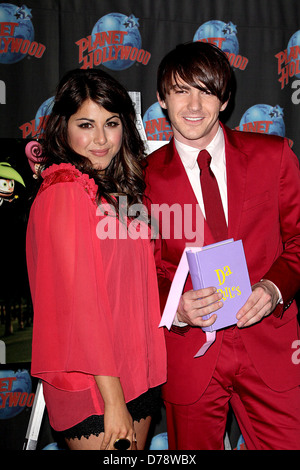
{"x":85,"y":119}
{"x":93,"y":120}
{"x":113,"y":117}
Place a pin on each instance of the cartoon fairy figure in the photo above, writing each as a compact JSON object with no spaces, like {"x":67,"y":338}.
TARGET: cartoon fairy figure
{"x":8,"y":176}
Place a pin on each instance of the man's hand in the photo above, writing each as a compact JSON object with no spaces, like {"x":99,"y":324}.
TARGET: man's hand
{"x":195,"y":304}
{"x":260,"y":304}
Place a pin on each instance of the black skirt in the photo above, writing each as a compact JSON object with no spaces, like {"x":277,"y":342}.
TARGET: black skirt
{"x":147,"y":404}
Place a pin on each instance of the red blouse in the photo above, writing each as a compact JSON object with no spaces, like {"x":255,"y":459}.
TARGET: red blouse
{"x":95,"y":300}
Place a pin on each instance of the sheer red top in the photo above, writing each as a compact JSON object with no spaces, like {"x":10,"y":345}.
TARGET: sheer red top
{"x":95,"y":300}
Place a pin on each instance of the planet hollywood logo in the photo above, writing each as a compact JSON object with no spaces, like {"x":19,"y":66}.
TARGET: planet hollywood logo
{"x":17,"y":34}
{"x":224,"y":36}
{"x":15,"y":392}
{"x":264,"y":119}
{"x":289,"y":60}
{"x":115,"y":42}
{"x":156,"y":124}
{"x":35,"y":127}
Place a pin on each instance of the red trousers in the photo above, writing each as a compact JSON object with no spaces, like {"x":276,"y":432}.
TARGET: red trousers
{"x":268,"y":420}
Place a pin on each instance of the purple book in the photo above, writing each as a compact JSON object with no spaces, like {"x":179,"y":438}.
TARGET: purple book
{"x":222,"y":265}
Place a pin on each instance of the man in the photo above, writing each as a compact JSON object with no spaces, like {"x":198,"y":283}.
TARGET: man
{"x":251,"y":365}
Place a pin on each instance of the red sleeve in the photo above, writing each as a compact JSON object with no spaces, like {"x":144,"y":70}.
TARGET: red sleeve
{"x":285,"y":271}
{"x":73,"y":331}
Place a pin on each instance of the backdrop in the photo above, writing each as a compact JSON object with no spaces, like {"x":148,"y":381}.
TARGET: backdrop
{"x":40,"y":40}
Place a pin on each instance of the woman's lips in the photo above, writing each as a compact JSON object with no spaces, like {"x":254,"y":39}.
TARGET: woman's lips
{"x":99,"y":153}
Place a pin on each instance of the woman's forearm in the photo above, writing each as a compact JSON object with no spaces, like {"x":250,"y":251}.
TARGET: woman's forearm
{"x":118,"y":422}
{"x":110,"y":389}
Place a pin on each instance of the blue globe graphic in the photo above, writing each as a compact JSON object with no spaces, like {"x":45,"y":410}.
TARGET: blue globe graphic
{"x":52,"y":446}
{"x":159,"y":442}
{"x":265,"y":112}
{"x":24,"y":30}
{"x":154,"y":112}
{"x":294,"y":41}
{"x":219,"y":29}
{"x":119,"y":22}
{"x":44,"y":110}
{"x":22,"y":384}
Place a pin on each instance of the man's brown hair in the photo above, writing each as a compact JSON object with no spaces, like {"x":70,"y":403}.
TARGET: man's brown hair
{"x":196,"y":63}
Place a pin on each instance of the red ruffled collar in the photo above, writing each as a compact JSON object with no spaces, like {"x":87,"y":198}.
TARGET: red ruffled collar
{"x":66,"y":172}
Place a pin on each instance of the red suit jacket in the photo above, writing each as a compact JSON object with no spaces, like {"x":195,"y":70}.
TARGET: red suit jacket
{"x":263,"y":189}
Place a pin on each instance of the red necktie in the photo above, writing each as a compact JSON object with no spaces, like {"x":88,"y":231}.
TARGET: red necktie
{"x":214,"y":211}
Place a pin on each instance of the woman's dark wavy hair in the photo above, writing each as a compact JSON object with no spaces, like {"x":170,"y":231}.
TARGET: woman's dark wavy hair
{"x":124,"y":175}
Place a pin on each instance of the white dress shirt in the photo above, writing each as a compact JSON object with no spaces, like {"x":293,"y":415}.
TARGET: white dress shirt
{"x":188,"y":156}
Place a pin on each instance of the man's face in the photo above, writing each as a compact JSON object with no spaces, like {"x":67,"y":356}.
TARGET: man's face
{"x":194,"y":114}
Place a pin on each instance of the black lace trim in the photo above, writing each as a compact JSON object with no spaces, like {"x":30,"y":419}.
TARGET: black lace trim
{"x":147,"y":404}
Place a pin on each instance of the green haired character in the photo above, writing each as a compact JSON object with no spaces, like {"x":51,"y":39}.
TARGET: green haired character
{"x":8,"y":176}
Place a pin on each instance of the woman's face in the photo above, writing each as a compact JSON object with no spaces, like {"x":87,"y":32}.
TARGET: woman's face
{"x":95,"y":134}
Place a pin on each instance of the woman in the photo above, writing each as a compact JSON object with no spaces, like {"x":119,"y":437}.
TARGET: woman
{"x":96,"y":342}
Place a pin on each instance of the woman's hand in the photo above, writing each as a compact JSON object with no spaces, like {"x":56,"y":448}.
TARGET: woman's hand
{"x":118,"y":423}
